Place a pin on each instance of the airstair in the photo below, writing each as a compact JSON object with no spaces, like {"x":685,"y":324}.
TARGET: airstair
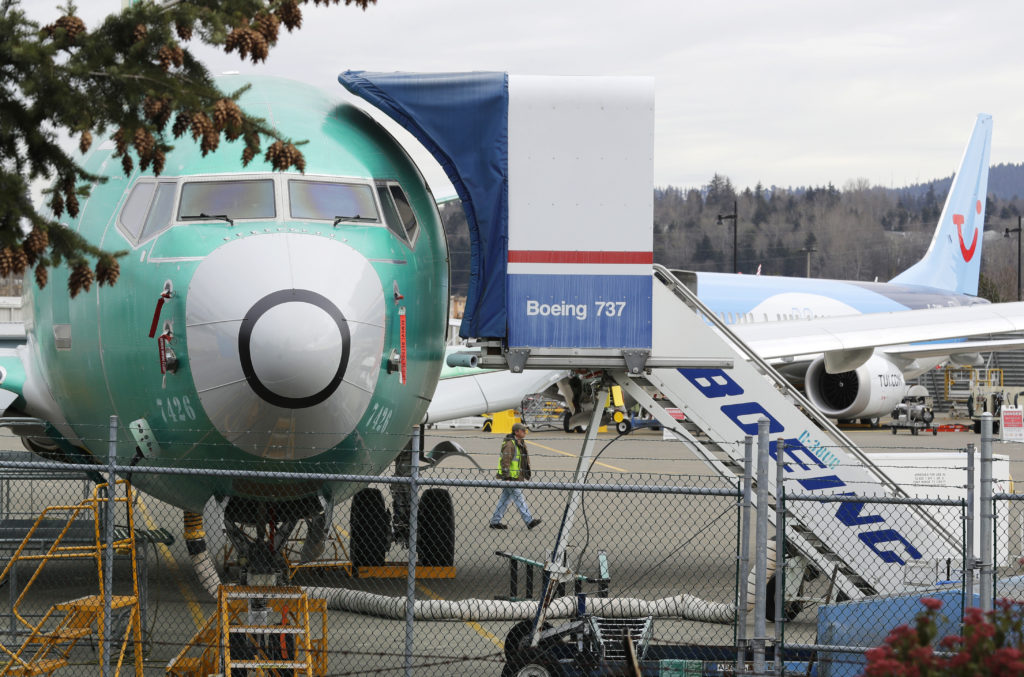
{"x":867,"y":546}
{"x":49,"y":641}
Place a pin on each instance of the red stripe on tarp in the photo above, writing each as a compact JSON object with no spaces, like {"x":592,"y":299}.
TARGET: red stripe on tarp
{"x":534,"y":256}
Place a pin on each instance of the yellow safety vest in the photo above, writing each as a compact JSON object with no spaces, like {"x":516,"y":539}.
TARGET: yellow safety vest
{"x":513,"y":466}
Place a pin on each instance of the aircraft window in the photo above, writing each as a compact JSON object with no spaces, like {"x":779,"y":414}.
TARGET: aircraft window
{"x":133,"y":214}
{"x":252,"y":199}
{"x":159,"y":218}
{"x":391,"y":213}
{"x":404,"y":210}
{"x":329,"y":201}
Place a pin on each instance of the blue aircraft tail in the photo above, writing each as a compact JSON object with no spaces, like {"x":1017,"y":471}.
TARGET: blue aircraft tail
{"x":953,"y":259}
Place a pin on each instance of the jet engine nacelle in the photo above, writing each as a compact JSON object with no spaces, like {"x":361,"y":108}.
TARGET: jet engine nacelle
{"x":868,"y":391}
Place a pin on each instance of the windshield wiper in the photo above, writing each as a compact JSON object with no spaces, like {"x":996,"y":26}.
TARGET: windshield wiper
{"x":357,"y":217}
{"x":204,"y":215}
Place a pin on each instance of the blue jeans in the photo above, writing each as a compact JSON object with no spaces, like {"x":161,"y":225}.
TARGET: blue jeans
{"x":511,"y":494}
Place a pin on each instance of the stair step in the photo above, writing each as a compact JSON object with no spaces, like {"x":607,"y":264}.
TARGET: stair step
{"x":267,"y":663}
{"x":266,"y":630}
{"x":63,"y":635}
{"x":41,"y":667}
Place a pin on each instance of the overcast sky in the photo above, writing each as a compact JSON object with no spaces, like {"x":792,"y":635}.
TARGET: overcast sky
{"x":785,"y":92}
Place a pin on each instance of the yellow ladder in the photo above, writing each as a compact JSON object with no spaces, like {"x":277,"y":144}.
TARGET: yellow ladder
{"x":49,"y":641}
{"x":278,"y":645}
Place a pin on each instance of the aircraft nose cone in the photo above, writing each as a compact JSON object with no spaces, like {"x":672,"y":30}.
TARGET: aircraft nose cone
{"x":293,"y":346}
{"x":285,"y":341}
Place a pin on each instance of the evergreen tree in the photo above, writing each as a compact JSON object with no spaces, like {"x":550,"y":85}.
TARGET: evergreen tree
{"x":134,"y":77}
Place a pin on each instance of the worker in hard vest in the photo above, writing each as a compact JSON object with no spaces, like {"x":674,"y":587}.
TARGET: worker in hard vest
{"x":513,"y":467}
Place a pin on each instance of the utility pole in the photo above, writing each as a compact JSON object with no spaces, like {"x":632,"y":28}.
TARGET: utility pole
{"x":725,"y":217}
{"x":808,"y":251}
{"x":1006,"y":233}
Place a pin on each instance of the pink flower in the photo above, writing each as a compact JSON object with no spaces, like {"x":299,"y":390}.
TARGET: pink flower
{"x":931,"y":603}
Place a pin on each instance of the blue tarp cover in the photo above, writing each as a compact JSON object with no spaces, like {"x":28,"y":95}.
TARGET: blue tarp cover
{"x":462,"y":119}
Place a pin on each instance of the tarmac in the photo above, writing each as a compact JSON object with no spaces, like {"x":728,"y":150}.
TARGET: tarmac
{"x":643,"y":535}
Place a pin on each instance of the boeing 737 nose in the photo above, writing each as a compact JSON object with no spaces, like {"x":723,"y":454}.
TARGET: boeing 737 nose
{"x":285,"y":336}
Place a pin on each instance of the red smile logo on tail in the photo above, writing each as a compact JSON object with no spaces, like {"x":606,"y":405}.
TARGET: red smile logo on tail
{"x":968,"y":252}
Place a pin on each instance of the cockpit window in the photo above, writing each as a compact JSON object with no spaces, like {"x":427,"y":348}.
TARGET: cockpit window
{"x":404,"y":210}
{"x":250,"y":199}
{"x":398,"y":213}
{"x":160,"y":213}
{"x":133,"y":214}
{"x":145,"y":215}
{"x":331,"y":201}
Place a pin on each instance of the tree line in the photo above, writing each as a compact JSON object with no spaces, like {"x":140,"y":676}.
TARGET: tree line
{"x":857,"y":232}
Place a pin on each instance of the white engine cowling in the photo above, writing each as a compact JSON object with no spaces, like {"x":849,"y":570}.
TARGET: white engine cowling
{"x":870,"y":390}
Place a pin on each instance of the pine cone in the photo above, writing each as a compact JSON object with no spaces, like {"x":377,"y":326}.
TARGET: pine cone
{"x":85,"y":141}
{"x":268,"y":26}
{"x":19,"y":261}
{"x":120,"y":140}
{"x":72,"y":25}
{"x":107,"y":271}
{"x":184,"y":30}
{"x":181,"y":123}
{"x":158,"y":162}
{"x":56,"y":203}
{"x":211,"y":139}
{"x":248,"y":154}
{"x":42,"y":276}
{"x":281,"y":156}
{"x":140,"y":33}
{"x":71,"y":203}
{"x":6,"y":261}
{"x":290,"y":15}
{"x":81,"y":278}
{"x":226,"y":113}
{"x":37,"y":241}
{"x":200,"y":125}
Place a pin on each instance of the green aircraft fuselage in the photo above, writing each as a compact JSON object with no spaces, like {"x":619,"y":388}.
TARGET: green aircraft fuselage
{"x":278,"y":302}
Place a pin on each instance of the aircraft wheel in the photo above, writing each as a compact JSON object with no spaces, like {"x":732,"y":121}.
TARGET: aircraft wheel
{"x":623,"y":426}
{"x":370,"y":526}
{"x":935,"y":430}
{"x":565,"y":422}
{"x":914,"y":430}
{"x":893,"y":429}
{"x":435,"y":537}
{"x":977,"y":427}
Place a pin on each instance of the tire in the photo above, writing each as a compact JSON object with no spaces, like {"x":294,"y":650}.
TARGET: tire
{"x":435,"y":534}
{"x":534,"y":669}
{"x":623,"y":427}
{"x":516,"y":634}
{"x":914,"y":430}
{"x":977,"y":427}
{"x":893,"y":429}
{"x":565,"y":422}
{"x":370,"y":526}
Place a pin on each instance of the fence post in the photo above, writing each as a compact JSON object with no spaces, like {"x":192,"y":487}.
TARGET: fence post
{"x":744,"y":566}
{"x":970,"y":564}
{"x":108,"y":555}
{"x":987,"y":515}
{"x":780,"y":549}
{"x":410,"y":580}
{"x":761,"y":547}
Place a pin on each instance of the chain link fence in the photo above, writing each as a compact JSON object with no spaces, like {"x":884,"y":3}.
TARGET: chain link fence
{"x":663,"y":546}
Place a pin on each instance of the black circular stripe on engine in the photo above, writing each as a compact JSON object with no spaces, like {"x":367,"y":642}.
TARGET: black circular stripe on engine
{"x":245,"y":335}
